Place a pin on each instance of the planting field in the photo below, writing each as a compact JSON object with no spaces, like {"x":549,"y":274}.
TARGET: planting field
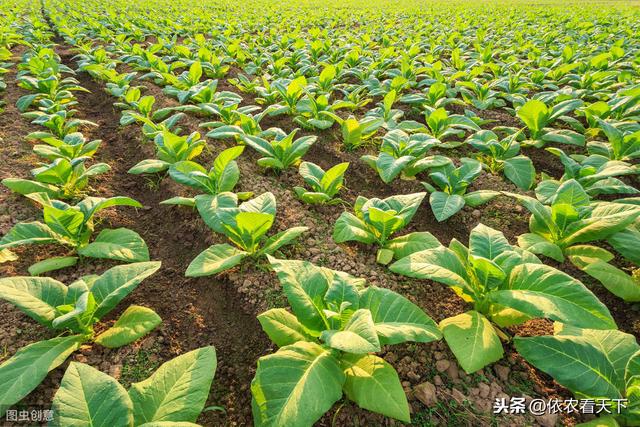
{"x":331,"y":213}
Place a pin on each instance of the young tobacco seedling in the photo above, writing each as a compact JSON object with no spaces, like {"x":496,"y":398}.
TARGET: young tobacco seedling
{"x":222,"y":177}
{"x":453,"y":183}
{"x":72,"y":146}
{"x":281,"y":152}
{"x":61,"y":179}
{"x":326,"y":344}
{"x":245,"y":226}
{"x":73,"y":311}
{"x":441,"y":125}
{"x":503,"y":155}
{"x":595,"y":173}
{"x":374,"y":222}
{"x":175,"y":394}
{"x":622,"y":145}
{"x":356,"y":133}
{"x":507,"y":286}
{"x":403,"y":155}
{"x":170,"y":149}
{"x":563,"y":226}
{"x":537,"y":118}
{"x":593,"y":364}
{"x":73,"y":226}
{"x":325,"y":185}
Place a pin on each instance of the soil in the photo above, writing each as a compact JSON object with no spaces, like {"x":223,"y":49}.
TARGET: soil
{"x":221,"y":310}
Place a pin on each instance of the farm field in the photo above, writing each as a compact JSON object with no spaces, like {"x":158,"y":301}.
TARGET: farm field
{"x":319,"y":213}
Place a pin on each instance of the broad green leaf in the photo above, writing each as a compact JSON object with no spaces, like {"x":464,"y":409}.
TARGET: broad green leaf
{"x":295,"y":386}
{"x":120,"y":244}
{"x":359,"y":335}
{"x":30,"y":365}
{"x":373,"y":384}
{"x":282,"y":327}
{"x":215,"y":259}
{"x":615,"y":280}
{"x":573,"y":362}
{"x":487,"y":243}
{"x":26,"y":233}
{"x":396,"y":319}
{"x":472,"y":340}
{"x":440,"y":264}
{"x":117,"y":282}
{"x":177,"y":391}
{"x":37,"y":297}
{"x":520,"y":171}
{"x":348,"y":227}
{"x":135,"y":322}
{"x":542,"y":291}
{"x":88,"y":397}
{"x":445,"y":205}
{"x":51,"y":264}
{"x":413,"y":242}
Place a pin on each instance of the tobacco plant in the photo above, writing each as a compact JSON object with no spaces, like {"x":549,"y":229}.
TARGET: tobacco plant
{"x":72,"y":311}
{"x":593,"y":364}
{"x":326,"y":345}
{"x":453,"y":183}
{"x":281,"y":152}
{"x":404,"y":155}
{"x":73,"y":226}
{"x":222,"y":177}
{"x":375,"y":220}
{"x":507,"y":286}
{"x":170,"y":149}
{"x":325,"y":185}
{"x":175,"y":394}
{"x":245,"y":225}
{"x":503,"y":155}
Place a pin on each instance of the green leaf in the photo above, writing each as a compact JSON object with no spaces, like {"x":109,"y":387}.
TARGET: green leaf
{"x":27,"y":233}
{"x":487,"y":243}
{"x":534,"y":114}
{"x":295,"y":386}
{"x":149,"y":166}
{"x":24,"y":186}
{"x":445,"y":205}
{"x":30,"y":365}
{"x":37,"y":297}
{"x":88,"y":397}
{"x":348,"y":227}
{"x":358,"y":336}
{"x":305,"y":286}
{"x":282,"y":327}
{"x":472,"y":340}
{"x":373,"y":384}
{"x":477,"y":198}
{"x":440,"y":264}
{"x":117,"y":282}
{"x":573,"y":362}
{"x":615,"y":280}
{"x":396,"y":319}
{"x":537,"y":244}
{"x":215,"y":259}
{"x":282,"y":238}
{"x":413,"y":242}
{"x":135,"y":322}
{"x":177,"y":391}
{"x":520,"y":171}
{"x":542,"y":291}
{"x":120,"y":244}
{"x":51,"y":264}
